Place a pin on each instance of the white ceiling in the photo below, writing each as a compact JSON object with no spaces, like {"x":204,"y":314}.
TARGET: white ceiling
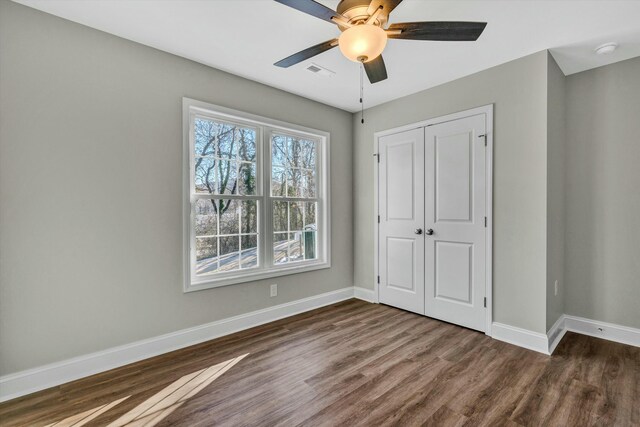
{"x":245,"y":37}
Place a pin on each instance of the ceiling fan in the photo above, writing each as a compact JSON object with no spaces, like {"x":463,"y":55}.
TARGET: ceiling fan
{"x":364,"y":36}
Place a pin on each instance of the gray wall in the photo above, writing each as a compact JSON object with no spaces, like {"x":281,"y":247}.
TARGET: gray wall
{"x":90,"y":183}
{"x":519,"y":91}
{"x":603,"y":194}
{"x":556,"y":166}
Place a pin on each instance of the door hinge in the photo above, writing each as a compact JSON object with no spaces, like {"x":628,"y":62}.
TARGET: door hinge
{"x":377,"y":155}
{"x":378,"y":219}
{"x":485,"y":222}
{"x":485,"y":139}
{"x":378,"y":279}
{"x":485,"y":302}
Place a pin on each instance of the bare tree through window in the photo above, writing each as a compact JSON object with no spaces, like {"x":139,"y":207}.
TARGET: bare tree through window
{"x":225,"y":164}
{"x":254,"y":197}
{"x":294,"y":189}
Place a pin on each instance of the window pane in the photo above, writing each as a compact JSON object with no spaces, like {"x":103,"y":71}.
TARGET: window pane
{"x":246,"y":144}
{"x":280,"y":216}
{"x":248,"y":216}
{"x":213,"y":138}
{"x":249,"y":253}
{"x":224,"y":140}
{"x":310,"y":215}
{"x":229,"y":216}
{"x":206,"y":134}
{"x":295,"y":216}
{"x":293,"y":152}
{"x":294,"y":158}
{"x":294,"y":183}
{"x":278,"y":150}
{"x":310,"y":244}
{"x":278,"y":182}
{"x":204,"y":175}
{"x":206,"y":255}
{"x":301,"y":153}
{"x":308,"y":183}
{"x":247,"y":179}
{"x":227,"y":172}
{"x":296,"y":247}
{"x":229,"y":253}
{"x":206,"y":217}
{"x":307,"y":154}
{"x":280,"y":246}
{"x":227,"y":144}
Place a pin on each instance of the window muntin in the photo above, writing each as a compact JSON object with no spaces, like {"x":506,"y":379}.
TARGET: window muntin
{"x":237,"y":231}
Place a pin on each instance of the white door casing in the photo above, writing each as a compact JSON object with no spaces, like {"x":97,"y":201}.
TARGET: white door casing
{"x":401,"y":210}
{"x":455,"y":199}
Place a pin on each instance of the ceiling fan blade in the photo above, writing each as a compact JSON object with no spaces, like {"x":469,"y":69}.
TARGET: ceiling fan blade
{"x":307,"y":53}
{"x":439,"y":31}
{"x":387,"y":6}
{"x":312,"y":8}
{"x":376,"y":71}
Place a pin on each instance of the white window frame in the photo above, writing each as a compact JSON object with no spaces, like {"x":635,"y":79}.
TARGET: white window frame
{"x":266,"y":127}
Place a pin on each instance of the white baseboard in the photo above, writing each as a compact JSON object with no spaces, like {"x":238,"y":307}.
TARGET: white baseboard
{"x":547,"y":343}
{"x":604,"y":330}
{"x":593,"y":328}
{"x":521,"y":337}
{"x":364,"y":294}
{"x":32,"y":380}
{"x":555,"y":334}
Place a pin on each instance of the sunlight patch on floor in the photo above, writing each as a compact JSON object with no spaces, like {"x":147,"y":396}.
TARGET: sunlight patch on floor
{"x":86,"y":416}
{"x":160,"y":405}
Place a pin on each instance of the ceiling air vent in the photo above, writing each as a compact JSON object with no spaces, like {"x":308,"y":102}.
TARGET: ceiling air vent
{"x":321,"y":71}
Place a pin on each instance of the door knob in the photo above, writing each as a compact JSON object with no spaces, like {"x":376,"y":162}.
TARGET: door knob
{"x":430,"y":232}
{"x":418,"y":231}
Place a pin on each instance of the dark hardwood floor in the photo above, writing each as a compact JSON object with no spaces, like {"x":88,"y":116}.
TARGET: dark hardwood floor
{"x":356,"y":363}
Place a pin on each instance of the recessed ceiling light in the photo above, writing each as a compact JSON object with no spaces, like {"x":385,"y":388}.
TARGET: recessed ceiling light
{"x":606,"y":48}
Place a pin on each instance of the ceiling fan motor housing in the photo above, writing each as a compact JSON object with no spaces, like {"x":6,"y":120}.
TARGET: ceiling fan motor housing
{"x":356,"y":11}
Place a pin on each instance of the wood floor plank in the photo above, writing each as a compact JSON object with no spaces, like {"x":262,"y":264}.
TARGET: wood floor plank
{"x":359,"y":364}
{"x":445,"y":417}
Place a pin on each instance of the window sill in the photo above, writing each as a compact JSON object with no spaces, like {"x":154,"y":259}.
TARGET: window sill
{"x":253,"y":276}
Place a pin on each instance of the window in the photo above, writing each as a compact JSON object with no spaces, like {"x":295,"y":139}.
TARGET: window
{"x":256,"y":203}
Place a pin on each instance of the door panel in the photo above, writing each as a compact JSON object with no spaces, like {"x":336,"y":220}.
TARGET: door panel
{"x":398,"y":252}
{"x":401,"y":208}
{"x":400,"y":181}
{"x":453,"y":177}
{"x":453,"y":271}
{"x":455,"y":211}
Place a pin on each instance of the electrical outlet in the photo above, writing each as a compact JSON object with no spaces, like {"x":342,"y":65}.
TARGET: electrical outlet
{"x":556,"y":288}
{"x":274,"y":290}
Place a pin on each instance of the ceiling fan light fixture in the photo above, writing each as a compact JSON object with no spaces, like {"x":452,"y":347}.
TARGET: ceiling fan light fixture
{"x":362,"y":43}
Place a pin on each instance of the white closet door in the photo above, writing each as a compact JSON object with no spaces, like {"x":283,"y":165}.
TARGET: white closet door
{"x":401,"y":209}
{"x":455,"y":198}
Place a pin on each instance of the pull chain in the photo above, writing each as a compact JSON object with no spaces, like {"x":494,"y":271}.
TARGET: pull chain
{"x":361,"y":93}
